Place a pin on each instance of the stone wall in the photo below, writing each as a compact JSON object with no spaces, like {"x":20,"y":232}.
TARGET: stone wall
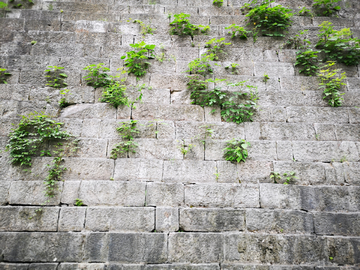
{"x":159,"y":209}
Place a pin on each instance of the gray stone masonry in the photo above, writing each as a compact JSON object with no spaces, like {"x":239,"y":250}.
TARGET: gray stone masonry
{"x":176,"y":203}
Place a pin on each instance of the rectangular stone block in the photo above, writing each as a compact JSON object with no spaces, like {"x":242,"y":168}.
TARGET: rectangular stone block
{"x":343,"y":251}
{"x":88,"y":169}
{"x":325,"y":132}
{"x":195,"y":247}
{"x":137,"y":248}
{"x":212,"y":220}
{"x":279,"y":221}
{"x":347,"y":132}
{"x":70,"y":192}
{"x":168,"y":112}
{"x":274,"y":69}
{"x":112,"y":193}
{"x":287,"y":131}
{"x":189,"y":171}
{"x":32,"y":193}
{"x":317,"y":115}
{"x":138,"y":169}
{"x":43,"y":266}
{"x":90,"y":148}
{"x":82,"y":266}
{"x":280,"y":196}
{"x":164,"y":194}
{"x":42,"y":247}
{"x":347,"y":172}
{"x":99,"y":128}
{"x":72,"y":219}
{"x":166,"y":81}
{"x":201,"y":266}
{"x":157,"y":149}
{"x":124,"y":219}
{"x":284,"y":150}
{"x":262,"y":150}
{"x":14,"y":266}
{"x":167,"y":219}
{"x":222,"y":195}
{"x":270,"y":114}
{"x":4,"y":192}
{"x":337,"y":224}
{"x":82,"y":111}
{"x":20,"y":218}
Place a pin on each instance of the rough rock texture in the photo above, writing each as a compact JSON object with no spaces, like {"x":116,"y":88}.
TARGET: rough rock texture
{"x":162,"y":208}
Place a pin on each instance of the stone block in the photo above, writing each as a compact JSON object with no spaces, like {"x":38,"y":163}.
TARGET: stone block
{"x":212,"y":220}
{"x":95,"y":193}
{"x":32,"y":193}
{"x":166,"y":81}
{"x":91,"y":148}
{"x":82,"y":266}
{"x":317,"y":115}
{"x":284,"y":150}
{"x":14,"y":266}
{"x":82,"y":111}
{"x":347,"y":132}
{"x":137,"y":248}
{"x":279,"y":221}
{"x":270,"y":114}
{"x":4,"y":192}
{"x":138,"y":169}
{"x":280,"y":196}
{"x":274,"y":69}
{"x":354,"y":114}
{"x":165,"y":130}
{"x":214,"y":150}
{"x":99,"y":128}
{"x":222,"y":195}
{"x":252,"y":131}
{"x":189,"y":171}
{"x":325,"y":151}
{"x":348,"y":172}
{"x":195,"y":247}
{"x":125,"y":219}
{"x":325,"y":132}
{"x":43,"y":266}
{"x":96,"y":248}
{"x":337,"y":224}
{"x":88,"y":169}
{"x":287,"y":131}
{"x":42,"y":247}
{"x":344,"y":251}
{"x":167,"y":219}
{"x":70,"y":192}
{"x":21,"y":218}
{"x":165,"y":194}
{"x":168,"y":112}
{"x":72,"y":219}
{"x":157,"y":149}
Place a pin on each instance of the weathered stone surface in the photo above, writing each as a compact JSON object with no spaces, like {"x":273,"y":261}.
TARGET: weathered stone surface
{"x":81,"y":266}
{"x":287,"y":131}
{"x":46,"y":246}
{"x":280,"y":196}
{"x":167,"y":219}
{"x":88,"y":169}
{"x":20,"y":218}
{"x":136,"y":248}
{"x":124,"y":219}
{"x":157,"y":149}
{"x":112,"y":193}
{"x":212,"y":220}
{"x":195,"y":247}
{"x":43,"y":266}
{"x":343,"y":250}
{"x":279,"y":221}
{"x":182,"y":266}
{"x":317,"y":115}
{"x":337,"y":224}
{"x":4,"y":191}
{"x":14,"y":266}
{"x":138,"y":169}
{"x":70,"y":192}
{"x":222,"y":195}
{"x":274,"y":69}
{"x":72,"y":219}
{"x":164,"y":194}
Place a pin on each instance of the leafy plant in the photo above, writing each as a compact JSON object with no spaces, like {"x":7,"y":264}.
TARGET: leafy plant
{"x":307,"y":61}
{"x":201,"y":65}
{"x":326,"y":7}
{"x":145,"y":29}
{"x":331,"y":81}
{"x":338,"y":45}
{"x":266,"y":78}
{"x":181,"y":26}
{"x":33,"y":42}
{"x":299,"y":41}
{"x":3,"y":5}
{"x":137,"y":60}
{"x":185,"y":148}
{"x":289,"y":177}
{"x":79,"y":202}
{"x":218,"y":3}
{"x":216,"y":48}
{"x":127,"y":132}
{"x":55,"y":77}
{"x":63,"y":103}
{"x":114,"y":94}
{"x":238,"y":31}
{"x":4,"y":75}
{"x":235,"y":107}
{"x":217,"y":174}
{"x":305,"y":12}
{"x":97,"y":76}
{"x":271,"y":21}
{"x":236,"y":150}
{"x":233,"y":68}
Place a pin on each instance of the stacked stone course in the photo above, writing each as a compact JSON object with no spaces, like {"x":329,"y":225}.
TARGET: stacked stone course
{"x":159,"y":209}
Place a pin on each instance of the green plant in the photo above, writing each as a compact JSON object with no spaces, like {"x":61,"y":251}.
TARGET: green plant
{"x":4,"y":75}
{"x":343,"y":159}
{"x":233,"y":68}
{"x":185,"y":148}
{"x":217,"y":174}
{"x":63,"y":103}
{"x":289,"y":177}
{"x":216,"y":48}
{"x":50,"y":7}
{"x":326,"y":7}
{"x":305,"y":12}
{"x":181,"y":26}
{"x":33,"y":42}
{"x":127,"y":132}
{"x":218,"y":3}
{"x":238,"y":31}
{"x":331,"y":81}
{"x":114,"y":94}
{"x":266,"y":78}
{"x":145,"y":29}
{"x":235,"y":107}
{"x":137,"y":60}
{"x":299,"y":41}
{"x":307,"y":61}
{"x":201,"y":65}
{"x":3,"y":5}
{"x":236,"y":150}
{"x":271,"y":21}
{"x":97,"y":76}
{"x":338,"y":45}
{"x":55,"y":77}
{"x":79,"y":202}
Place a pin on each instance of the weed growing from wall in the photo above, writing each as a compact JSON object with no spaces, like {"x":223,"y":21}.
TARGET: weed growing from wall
{"x":218,"y":3}
{"x":331,"y":81}
{"x":307,"y":61}
{"x":55,"y":77}
{"x":216,"y":48}
{"x":201,"y":65}
{"x":145,"y":28}
{"x":127,"y":131}
{"x":305,"y":12}
{"x":181,"y":26}
{"x":137,"y":60}
{"x":4,"y":75}
{"x":236,"y":150}
{"x":326,"y":7}
{"x":233,"y":68}
{"x":338,"y":45}
{"x":287,"y":177}
{"x":63,"y":102}
{"x":97,"y":75}
{"x":238,"y":31}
